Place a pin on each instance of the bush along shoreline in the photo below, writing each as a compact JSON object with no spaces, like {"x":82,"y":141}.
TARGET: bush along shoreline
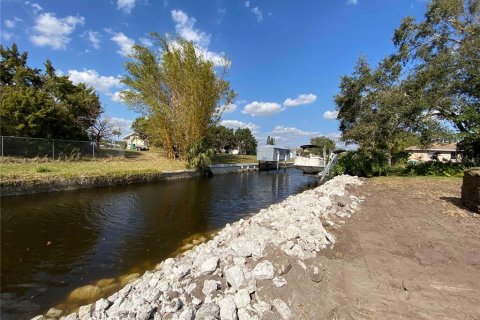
{"x":228,"y":276}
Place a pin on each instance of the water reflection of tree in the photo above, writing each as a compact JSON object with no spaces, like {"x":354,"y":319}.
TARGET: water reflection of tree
{"x":168,"y":213}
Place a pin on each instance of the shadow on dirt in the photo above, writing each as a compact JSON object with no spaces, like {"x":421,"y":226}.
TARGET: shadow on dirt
{"x":457,"y":202}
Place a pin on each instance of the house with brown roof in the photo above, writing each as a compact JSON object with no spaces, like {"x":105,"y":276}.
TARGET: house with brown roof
{"x":436,"y":151}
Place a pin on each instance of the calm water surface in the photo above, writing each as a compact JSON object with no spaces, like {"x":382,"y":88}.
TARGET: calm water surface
{"x":54,"y":243}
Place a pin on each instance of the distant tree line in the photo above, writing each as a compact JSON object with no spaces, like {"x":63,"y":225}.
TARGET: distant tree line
{"x":429,"y":89}
{"x":219,"y":138}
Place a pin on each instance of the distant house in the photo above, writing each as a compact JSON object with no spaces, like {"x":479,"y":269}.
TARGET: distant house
{"x":273,"y":153}
{"x":437,"y":151}
{"x":133,"y":142}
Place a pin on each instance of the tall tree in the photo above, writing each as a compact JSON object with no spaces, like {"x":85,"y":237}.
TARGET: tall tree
{"x":42,"y":105}
{"x":444,"y":53}
{"x":178,"y":89}
{"x":222,"y":138}
{"x":430,"y":83}
{"x":270,"y":141}
{"x":246,"y":142}
{"x":372,"y":107}
{"x":323,"y":143}
{"x":103,"y":128}
{"x":140,"y":127}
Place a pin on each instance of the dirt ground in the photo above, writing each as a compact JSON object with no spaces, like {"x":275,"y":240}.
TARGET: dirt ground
{"x":411,"y":252}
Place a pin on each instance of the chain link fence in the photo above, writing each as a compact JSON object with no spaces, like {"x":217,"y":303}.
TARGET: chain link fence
{"x":22,"y":147}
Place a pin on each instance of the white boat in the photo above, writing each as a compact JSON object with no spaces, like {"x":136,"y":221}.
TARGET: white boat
{"x":309,"y":164}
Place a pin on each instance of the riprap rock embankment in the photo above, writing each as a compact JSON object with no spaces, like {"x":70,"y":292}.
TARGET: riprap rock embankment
{"x":231,"y":276}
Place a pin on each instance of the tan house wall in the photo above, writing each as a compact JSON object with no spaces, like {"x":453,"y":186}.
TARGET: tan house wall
{"x":427,"y":156}
{"x":136,"y":141}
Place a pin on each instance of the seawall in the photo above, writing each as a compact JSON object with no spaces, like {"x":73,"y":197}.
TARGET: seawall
{"x":80,"y":182}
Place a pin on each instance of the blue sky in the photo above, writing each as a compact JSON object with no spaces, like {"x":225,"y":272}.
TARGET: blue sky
{"x":287,"y":57}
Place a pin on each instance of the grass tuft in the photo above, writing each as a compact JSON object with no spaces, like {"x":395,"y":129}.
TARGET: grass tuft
{"x":41,"y":169}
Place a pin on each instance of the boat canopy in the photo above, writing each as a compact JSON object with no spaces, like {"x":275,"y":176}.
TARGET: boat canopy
{"x":309,"y":146}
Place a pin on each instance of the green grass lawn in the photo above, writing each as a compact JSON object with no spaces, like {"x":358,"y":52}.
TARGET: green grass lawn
{"x":14,"y":170}
{"x":19,"y":170}
{"x":234,"y":158}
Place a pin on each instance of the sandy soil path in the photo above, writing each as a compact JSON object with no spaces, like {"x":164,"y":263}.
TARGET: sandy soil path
{"x":410,"y":252}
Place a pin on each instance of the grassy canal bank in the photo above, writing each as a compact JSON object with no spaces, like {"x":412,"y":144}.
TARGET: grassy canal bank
{"x":20,"y":176}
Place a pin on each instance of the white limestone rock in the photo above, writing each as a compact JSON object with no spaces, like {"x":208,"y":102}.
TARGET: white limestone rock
{"x":279,"y":282}
{"x":242,"y":298}
{"x":188,"y":313}
{"x":263,"y":271}
{"x":235,"y":277}
{"x":208,"y":310}
{"x":209,"y":286}
{"x":228,"y":310}
{"x":210,"y":265}
{"x":282,"y":309}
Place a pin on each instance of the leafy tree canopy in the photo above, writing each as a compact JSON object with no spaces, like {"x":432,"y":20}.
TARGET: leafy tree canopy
{"x":140,"y":128}
{"x":222,"y":138}
{"x":323,"y":143}
{"x":179,"y":90}
{"x":42,"y":105}
{"x":270,"y":141}
{"x":246,"y":142}
{"x":431,"y":84}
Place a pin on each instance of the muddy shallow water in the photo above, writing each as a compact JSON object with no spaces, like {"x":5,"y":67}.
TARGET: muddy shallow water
{"x":54,"y":243}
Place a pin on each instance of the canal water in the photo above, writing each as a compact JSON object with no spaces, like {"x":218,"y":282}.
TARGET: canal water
{"x":56,"y":242}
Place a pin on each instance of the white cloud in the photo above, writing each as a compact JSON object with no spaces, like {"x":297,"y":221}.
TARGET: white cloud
{"x":330,"y":115}
{"x":116,"y":97}
{"x":256,"y":108}
{"x":36,"y":7}
{"x":247,"y":4}
{"x":124,"y":42}
{"x":102,"y":84}
{"x":54,"y":32}
{"x":290,"y":131}
{"x":221,"y":15}
{"x":258,"y":13}
{"x":146,"y":42}
{"x":234,"y":124}
{"x":5,"y":35}
{"x":124,"y":125}
{"x":126,"y":5}
{"x":12,"y":23}
{"x":354,"y":2}
{"x":300,"y":100}
{"x":94,"y":38}
{"x":184,"y":25}
{"x":214,"y":57}
{"x":334,"y":135}
{"x":229,"y":108}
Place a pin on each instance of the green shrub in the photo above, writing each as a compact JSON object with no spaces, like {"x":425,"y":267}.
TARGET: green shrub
{"x":362,"y":163}
{"x":435,"y":168}
{"x":400,"y":158}
{"x":200,"y":157}
{"x":42,"y":169}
